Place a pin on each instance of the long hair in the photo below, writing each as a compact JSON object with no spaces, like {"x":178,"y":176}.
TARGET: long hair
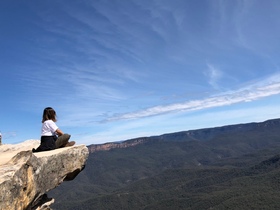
{"x":49,"y":114}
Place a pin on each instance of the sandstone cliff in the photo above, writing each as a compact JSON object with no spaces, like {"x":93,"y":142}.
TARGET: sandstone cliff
{"x":113,"y":145}
{"x":25,"y":177}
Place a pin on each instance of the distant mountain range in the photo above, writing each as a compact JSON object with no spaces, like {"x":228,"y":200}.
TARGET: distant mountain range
{"x":228,"y":167}
{"x":205,"y":134}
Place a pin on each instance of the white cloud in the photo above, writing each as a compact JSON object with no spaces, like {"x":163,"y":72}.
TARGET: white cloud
{"x":214,"y":75}
{"x":8,"y":135}
{"x":174,"y":122}
{"x":253,"y":92}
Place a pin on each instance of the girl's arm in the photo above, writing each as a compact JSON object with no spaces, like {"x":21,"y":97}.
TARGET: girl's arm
{"x":59,"y":132}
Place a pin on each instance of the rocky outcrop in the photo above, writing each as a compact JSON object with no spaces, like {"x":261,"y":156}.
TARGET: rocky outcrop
{"x":26,"y":177}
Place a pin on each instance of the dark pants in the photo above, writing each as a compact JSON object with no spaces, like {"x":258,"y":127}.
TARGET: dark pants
{"x":47,"y":143}
{"x":62,"y":140}
{"x":52,"y":142}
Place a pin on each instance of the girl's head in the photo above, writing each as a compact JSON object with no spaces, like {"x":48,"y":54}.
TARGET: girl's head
{"x":49,"y":114}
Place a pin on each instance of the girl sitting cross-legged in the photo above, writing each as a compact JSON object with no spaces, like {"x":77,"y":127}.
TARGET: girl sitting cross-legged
{"x":51,"y":136}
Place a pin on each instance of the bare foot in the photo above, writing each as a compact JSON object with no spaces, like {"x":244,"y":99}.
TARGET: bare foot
{"x":69,"y":144}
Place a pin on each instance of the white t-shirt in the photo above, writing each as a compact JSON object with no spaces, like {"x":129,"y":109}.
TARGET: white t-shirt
{"x":48,"y":128}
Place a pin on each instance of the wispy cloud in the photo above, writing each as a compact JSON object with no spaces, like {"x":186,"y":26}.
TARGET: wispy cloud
{"x":214,"y":75}
{"x":9,"y":134}
{"x":250,"y":93}
{"x":161,"y":124}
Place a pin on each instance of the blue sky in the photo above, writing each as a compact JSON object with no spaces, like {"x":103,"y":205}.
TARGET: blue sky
{"x":120,"y":69}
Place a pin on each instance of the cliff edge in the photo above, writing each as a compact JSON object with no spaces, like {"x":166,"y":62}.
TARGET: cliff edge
{"x":26,"y":177}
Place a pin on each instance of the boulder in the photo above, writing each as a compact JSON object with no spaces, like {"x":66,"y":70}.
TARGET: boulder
{"x":26,"y":177}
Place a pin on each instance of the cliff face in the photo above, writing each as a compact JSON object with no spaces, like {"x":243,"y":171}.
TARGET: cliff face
{"x":25,"y":177}
{"x":108,"y":146}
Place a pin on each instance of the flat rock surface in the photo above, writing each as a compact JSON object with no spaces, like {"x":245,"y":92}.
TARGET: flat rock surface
{"x":7,"y":151}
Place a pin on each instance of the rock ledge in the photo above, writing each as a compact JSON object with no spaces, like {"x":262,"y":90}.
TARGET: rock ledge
{"x":27,"y":177}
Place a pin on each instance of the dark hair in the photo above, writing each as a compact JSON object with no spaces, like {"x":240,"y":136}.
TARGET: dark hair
{"x":49,"y":114}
